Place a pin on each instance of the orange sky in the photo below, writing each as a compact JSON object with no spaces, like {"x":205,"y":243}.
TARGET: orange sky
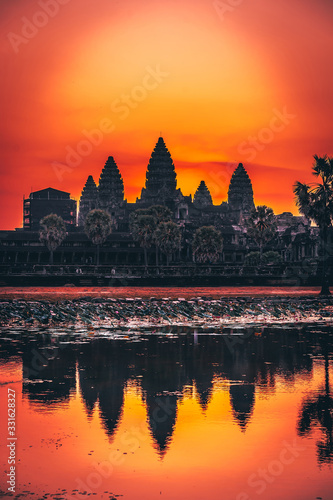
{"x":250,"y":84}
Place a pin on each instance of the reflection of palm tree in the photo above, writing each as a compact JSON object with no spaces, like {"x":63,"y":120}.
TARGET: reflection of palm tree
{"x":319,"y":410}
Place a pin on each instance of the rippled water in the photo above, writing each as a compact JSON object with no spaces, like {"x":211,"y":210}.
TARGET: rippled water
{"x":175,"y":413}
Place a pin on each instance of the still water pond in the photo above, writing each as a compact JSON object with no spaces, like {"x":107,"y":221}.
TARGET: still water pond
{"x":178,"y":415}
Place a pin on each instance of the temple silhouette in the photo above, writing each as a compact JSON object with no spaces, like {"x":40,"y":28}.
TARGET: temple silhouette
{"x":161,"y":189}
{"x":21,"y":251}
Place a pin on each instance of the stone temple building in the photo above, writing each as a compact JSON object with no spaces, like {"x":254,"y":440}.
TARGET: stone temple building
{"x":21,"y":250}
{"x":161,"y":189}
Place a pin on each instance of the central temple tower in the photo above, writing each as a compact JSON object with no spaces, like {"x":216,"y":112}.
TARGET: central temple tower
{"x":240,"y":193}
{"x":111,"y":186}
{"x":161,"y":179}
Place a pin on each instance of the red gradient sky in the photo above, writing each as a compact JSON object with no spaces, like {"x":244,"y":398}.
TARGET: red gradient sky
{"x":229,"y":74}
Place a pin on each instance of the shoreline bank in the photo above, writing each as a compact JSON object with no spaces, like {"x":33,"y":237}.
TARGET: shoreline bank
{"x":138,"y":312}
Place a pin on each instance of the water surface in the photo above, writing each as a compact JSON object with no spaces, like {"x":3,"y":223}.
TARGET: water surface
{"x":62,"y":293}
{"x":175,"y":414}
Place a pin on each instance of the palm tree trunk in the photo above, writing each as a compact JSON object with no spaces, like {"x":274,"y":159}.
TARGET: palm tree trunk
{"x":260,"y":251}
{"x":156,"y":255}
{"x":51,"y":257}
{"x":168,"y":259}
{"x":146,"y":256}
{"x":97,"y":256}
{"x":325,"y":290}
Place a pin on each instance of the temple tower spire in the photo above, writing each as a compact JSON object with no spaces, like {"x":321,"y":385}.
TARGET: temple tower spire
{"x":111,"y":186}
{"x":161,"y":178}
{"x":202,"y":197}
{"x":88,"y":199}
{"x":240,"y":193}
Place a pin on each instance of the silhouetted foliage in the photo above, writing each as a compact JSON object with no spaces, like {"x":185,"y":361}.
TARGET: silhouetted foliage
{"x":261,"y":226}
{"x":52,"y":232}
{"x":318,"y":411}
{"x":271,"y":257}
{"x":315,"y":201}
{"x":98,"y":226}
{"x":142,"y":227}
{"x":160,"y":213}
{"x":207,"y":244}
{"x":168,"y":238}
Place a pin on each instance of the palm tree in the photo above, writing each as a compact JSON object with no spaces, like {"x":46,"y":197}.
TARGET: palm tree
{"x":142,"y":227}
{"x":160,"y":214}
{"x":318,"y":410}
{"x":207,"y":244}
{"x":52,"y":232}
{"x":167,"y":237}
{"x":315,"y":201}
{"x":98,"y":226}
{"x":261,"y":226}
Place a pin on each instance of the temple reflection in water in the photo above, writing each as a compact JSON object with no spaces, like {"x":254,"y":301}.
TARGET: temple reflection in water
{"x":167,"y":368}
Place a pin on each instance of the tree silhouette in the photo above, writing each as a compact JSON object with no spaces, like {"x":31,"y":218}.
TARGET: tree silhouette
{"x":168,"y":238}
{"x":98,"y":226}
{"x":261,"y":226}
{"x":142,"y":227}
{"x":315,"y":201}
{"x":207,"y":244}
{"x":160,"y":214}
{"x":52,"y":232}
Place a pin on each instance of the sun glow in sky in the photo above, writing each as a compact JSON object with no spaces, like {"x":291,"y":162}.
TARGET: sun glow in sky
{"x":223,"y":84}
